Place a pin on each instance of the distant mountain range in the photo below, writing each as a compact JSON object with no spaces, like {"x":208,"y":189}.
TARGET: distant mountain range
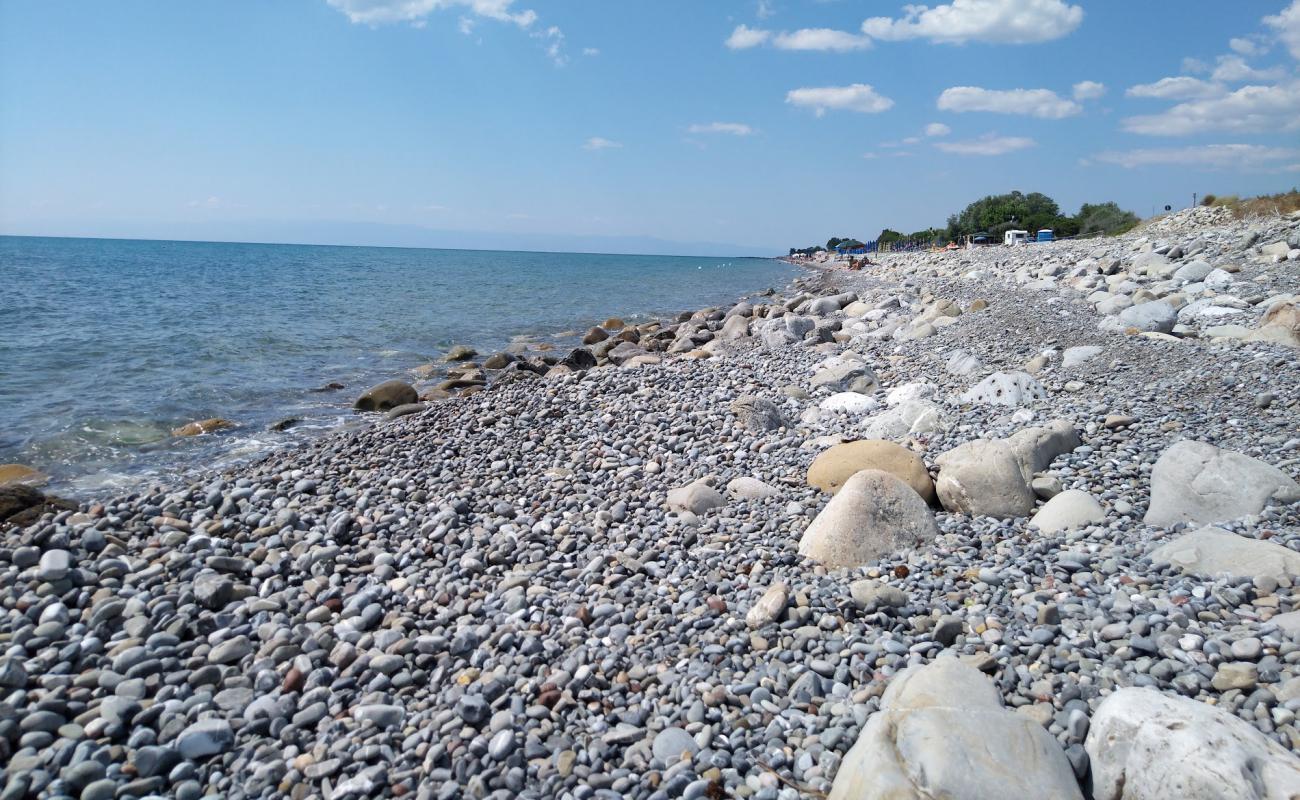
{"x":375,"y":234}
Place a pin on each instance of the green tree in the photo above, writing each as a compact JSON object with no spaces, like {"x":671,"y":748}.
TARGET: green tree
{"x":1107,"y":218}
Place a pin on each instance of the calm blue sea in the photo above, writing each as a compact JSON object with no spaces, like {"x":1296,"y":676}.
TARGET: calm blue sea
{"x":106,"y":345}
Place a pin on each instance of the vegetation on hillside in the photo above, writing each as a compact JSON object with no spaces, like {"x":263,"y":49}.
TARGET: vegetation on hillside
{"x":995,"y":214}
{"x":1280,"y":203}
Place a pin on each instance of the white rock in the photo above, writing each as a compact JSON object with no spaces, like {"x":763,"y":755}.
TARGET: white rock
{"x":1214,"y":551}
{"x":1199,"y":483}
{"x":910,"y":391}
{"x":1144,"y":745}
{"x":872,"y":515}
{"x":849,"y":402}
{"x":1074,"y":356}
{"x":942,"y":732}
{"x":906,"y":419}
{"x":1069,"y":509}
{"x":1005,"y":389}
{"x":751,"y":489}
{"x":963,"y":363}
{"x":992,"y":477}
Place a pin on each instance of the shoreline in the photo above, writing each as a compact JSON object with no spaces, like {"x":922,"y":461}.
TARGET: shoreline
{"x":629,"y":581}
{"x":250,"y":428}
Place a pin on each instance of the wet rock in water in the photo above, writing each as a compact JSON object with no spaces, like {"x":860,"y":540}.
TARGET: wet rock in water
{"x":21,"y":473}
{"x":499,"y":360}
{"x":460,"y":352}
{"x":386,"y":396}
{"x":1214,"y":551}
{"x":834,"y":466}
{"x":1068,"y":510}
{"x":1198,"y":483}
{"x":942,"y":732}
{"x":332,"y":386}
{"x":1144,"y":745}
{"x":284,"y":424}
{"x":595,"y":336}
{"x":1005,"y":389}
{"x":758,"y":414}
{"x":202,"y":426}
{"x":874,"y":514}
{"x":613,"y":324}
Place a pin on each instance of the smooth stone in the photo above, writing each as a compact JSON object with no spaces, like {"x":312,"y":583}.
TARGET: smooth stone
{"x":874,"y":514}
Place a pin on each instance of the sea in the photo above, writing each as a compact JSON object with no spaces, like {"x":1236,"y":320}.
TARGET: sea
{"x":107,"y":345}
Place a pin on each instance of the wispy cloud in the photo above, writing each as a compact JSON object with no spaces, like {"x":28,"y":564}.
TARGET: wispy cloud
{"x":378,"y":12}
{"x":600,"y":143}
{"x":859,"y":97}
{"x":1213,"y":156}
{"x":821,"y":39}
{"x":1181,"y":87}
{"x":937,"y":129}
{"x":1250,"y":109}
{"x":1088,"y":90}
{"x":732,"y":128}
{"x":987,"y":145}
{"x":1286,"y":26}
{"x":1041,"y":103}
{"x":994,"y":21}
{"x":745,"y":37}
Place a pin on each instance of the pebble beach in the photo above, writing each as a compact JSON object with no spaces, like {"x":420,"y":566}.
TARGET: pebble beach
{"x":1006,"y":522}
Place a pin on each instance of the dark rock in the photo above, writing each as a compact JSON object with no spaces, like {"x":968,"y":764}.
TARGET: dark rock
{"x":387,"y":396}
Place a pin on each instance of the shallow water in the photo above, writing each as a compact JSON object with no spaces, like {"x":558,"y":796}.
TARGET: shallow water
{"x":106,"y":345}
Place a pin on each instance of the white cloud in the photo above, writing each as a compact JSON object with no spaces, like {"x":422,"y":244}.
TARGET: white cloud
{"x":1178,"y":88}
{"x":1195,"y":65}
{"x":591,"y":51}
{"x":860,"y":97}
{"x":1250,"y":109}
{"x":600,"y":143}
{"x":1287,"y":26}
{"x":937,"y":129}
{"x":764,"y":9}
{"x":996,"y":21}
{"x":912,"y":140}
{"x":553,"y":43}
{"x":745,"y":37}
{"x":1248,"y":45}
{"x":1216,"y":156}
{"x":465,"y":25}
{"x":987,"y":145}
{"x":1234,"y":68}
{"x":1042,"y":103}
{"x":821,"y":39}
{"x":732,"y":128}
{"x":378,"y":12}
{"x":1088,"y":90}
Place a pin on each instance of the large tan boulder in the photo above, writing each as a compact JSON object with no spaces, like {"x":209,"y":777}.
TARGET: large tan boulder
{"x":832,"y":468}
{"x":1281,"y":324}
{"x":942,"y":732}
{"x":874,"y":514}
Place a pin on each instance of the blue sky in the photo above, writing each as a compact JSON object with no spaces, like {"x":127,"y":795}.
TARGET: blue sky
{"x":613,"y":125}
